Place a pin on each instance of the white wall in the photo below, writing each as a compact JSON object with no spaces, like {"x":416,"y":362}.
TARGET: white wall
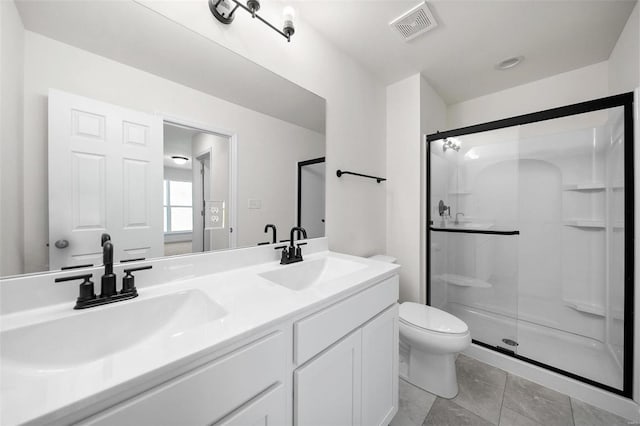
{"x":624,"y":76}
{"x":356,"y":213}
{"x":413,"y":109}
{"x":403,"y":186}
{"x":11,"y":123}
{"x":433,"y":118}
{"x":624,"y":61}
{"x":579,"y":85}
{"x":217,"y":189}
{"x":261,"y":139}
{"x":312,"y":203}
{"x":176,"y":173}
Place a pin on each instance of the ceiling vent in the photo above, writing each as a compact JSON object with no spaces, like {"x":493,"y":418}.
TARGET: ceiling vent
{"x":416,"y":21}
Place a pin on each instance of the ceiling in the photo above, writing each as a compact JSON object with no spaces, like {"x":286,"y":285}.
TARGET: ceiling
{"x":177,"y":141}
{"x":458,"y":57}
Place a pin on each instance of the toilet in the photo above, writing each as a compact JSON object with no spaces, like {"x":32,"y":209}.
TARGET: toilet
{"x":432,"y":338}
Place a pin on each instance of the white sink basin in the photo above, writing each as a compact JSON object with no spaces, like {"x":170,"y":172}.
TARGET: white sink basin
{"x":308,"y":273}
{"x":95,"y":333}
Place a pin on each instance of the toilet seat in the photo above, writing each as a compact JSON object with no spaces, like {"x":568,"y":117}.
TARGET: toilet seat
{"x":431,"y":319}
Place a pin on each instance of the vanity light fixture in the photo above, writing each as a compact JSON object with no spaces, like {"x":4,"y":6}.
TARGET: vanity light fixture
{"x":179,"y":159}
{"x":224,"y":11}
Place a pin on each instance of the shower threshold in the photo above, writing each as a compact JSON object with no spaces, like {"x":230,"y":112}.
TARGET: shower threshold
{"x":544,"y":347}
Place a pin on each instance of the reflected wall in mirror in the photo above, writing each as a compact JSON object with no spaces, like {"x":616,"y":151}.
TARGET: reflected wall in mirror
{"x":103,"y":96}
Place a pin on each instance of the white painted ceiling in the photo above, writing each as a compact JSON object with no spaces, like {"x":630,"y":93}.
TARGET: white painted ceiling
{"x":177,"y":141}
{"x":458,"y":56}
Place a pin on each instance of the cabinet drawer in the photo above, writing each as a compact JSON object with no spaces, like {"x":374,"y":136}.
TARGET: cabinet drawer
{"x":317,"y":331}
{"x":267,"y":409}
{"x":208,"y":393}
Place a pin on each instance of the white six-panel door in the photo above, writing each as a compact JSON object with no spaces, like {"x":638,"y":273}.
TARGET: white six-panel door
{"x":105,"y":175}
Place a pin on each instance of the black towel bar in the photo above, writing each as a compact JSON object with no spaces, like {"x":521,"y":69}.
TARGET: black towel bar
{"x":378,"y":179}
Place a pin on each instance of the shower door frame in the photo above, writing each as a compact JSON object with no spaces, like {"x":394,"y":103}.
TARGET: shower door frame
{"x":625,"y":100}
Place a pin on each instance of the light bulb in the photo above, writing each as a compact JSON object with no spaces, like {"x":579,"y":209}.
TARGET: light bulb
{"x":288,"y":15}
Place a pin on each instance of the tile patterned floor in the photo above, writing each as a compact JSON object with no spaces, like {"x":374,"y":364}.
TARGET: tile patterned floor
{"x":490,"y":396}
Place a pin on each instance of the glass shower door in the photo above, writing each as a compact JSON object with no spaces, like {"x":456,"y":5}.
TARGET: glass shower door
{"x":473,"y":233}
{"x":571,"y":277}
{"x":530,"y":237}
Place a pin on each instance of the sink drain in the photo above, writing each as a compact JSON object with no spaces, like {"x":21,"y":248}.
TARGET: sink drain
{"x":510,"y":342}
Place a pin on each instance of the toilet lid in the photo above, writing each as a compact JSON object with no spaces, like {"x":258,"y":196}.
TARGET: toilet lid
{"x":430,"y":318}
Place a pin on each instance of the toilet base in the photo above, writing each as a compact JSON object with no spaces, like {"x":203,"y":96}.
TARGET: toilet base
{"x":435,"y":373}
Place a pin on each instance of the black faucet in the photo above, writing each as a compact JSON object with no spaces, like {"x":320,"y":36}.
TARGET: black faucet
{"x":108,"y":294}
{"x":108,"y":287}
{"x":273,"y":229}
{"x":298,"y":230}
{"x":292,"y":253}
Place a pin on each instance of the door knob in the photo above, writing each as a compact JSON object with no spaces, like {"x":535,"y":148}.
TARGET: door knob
{"x":62,"y":244}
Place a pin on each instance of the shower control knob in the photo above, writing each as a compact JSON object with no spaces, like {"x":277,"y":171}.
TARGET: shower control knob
{"x":62,"y":244}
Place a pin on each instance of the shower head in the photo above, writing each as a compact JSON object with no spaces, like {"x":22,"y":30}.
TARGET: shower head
{"x":450,"y":143}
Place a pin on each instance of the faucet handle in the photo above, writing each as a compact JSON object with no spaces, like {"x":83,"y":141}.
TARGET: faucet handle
{"x":86,"y":287}
{"x":284,"y":257}
{"x":128,"y":281}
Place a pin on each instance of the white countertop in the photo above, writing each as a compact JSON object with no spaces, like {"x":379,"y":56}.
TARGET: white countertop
{"x":252,"y":302}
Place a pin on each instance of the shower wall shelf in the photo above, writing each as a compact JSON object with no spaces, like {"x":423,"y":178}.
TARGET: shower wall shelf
{"x":585,"y":307}
{"x":463,"y":281}
{"x":581,"y":223}
{"x":587,"y":186}
{"x":598,"y":224}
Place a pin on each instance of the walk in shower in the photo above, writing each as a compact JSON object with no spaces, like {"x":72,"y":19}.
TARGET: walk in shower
{"x":530,"y":237}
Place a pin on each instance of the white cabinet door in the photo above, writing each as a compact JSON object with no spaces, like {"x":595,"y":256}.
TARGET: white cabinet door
{"x":380,"y":368}
{"x":265,"y":410}
{"x":105,"y":175}
{"x":327,"y":391}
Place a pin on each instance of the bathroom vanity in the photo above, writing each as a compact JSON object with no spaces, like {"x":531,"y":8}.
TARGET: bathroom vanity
{"x":255,"y":342}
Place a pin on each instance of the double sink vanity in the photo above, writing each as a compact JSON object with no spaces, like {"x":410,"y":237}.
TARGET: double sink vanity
{"x":229,"y":338}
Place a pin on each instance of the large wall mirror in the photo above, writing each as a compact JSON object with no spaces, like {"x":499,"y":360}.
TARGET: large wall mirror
{"x":136,"y":126}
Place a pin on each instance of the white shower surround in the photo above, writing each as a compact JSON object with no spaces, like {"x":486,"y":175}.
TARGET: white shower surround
{"x":531,"y":318}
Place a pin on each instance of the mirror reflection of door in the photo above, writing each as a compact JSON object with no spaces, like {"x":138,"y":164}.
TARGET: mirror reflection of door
{"x":105,"y":163}
{"x":202,"y":223}
{"x":311,"y":196}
